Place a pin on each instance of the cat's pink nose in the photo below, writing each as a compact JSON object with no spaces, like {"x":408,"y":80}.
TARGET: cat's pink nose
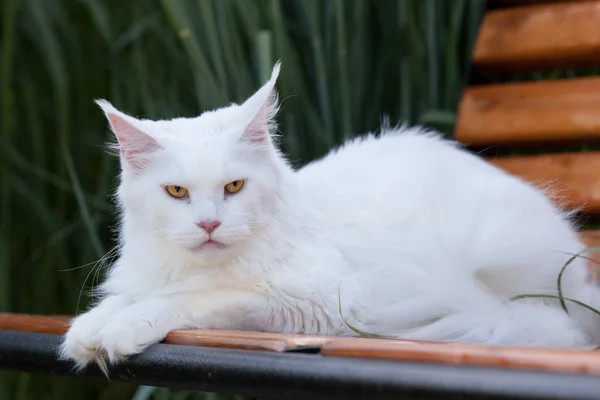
{"x":209,"y":226}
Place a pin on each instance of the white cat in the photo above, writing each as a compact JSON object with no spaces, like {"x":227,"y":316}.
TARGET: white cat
{"x":419,"y":238}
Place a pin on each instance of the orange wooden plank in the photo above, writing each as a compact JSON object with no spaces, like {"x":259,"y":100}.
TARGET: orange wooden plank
{"x":530,"y":113}
{"x":539,"y":37}
{"x":572,"y":179}
{"x":563,"y":361}
{"x":591,"y":238}
{"x":50,"y":324}
{"x":244,"y":339}
{"x":58,"y":325}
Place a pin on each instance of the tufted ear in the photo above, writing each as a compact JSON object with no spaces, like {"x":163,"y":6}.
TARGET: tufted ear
{"x":261,"y":109}
{"x":135,"y":145}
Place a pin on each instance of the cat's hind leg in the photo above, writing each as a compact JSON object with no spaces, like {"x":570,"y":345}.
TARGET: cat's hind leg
{"x":513,"y":323}
{"x":454,"y":308}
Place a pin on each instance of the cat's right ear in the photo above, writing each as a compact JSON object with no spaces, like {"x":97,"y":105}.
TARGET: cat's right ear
{"x":134,"y":144}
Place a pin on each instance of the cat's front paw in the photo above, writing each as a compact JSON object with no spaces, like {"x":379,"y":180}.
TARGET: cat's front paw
{"x":125,"y":335}
{"x":81,"y":344}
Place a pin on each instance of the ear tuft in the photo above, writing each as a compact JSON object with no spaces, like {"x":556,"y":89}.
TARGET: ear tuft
{"x":135,"y":144}
{"x":275,"y":72}
{"x":262,"y":107}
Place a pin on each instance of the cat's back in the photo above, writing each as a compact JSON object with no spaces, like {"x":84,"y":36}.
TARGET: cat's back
{"x":390,"y":168}
{"x":398,"y":186}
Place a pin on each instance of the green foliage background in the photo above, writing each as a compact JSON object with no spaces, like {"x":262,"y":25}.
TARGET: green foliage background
{"x":346,"y":64}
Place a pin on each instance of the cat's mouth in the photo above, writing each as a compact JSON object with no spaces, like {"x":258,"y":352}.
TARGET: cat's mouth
{"x":209,"y":244}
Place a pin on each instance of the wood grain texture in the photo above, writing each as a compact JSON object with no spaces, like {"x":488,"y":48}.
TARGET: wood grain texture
{"x":563,"y":361}
{"x":278,"y":342}
{"x":58,"y":325}
{"x":50,"y":324}
{"x":571,"y":179}
{"x":539,"y":37}
{"x":591,"y":238}
{"x":536,"y":113}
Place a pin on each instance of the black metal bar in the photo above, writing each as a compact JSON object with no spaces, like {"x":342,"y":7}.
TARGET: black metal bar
{"x":300,"y":376}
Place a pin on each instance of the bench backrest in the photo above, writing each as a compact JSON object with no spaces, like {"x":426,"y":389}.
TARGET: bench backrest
{"x":520,"y":37}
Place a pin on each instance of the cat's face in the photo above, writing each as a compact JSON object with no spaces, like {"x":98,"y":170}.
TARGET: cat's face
{"x":202,"y":186}
{"x":205,"y":194}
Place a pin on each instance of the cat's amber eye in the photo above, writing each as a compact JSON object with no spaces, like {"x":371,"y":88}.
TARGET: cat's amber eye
{"x":178,"y":192}
{"x":234,"y":187}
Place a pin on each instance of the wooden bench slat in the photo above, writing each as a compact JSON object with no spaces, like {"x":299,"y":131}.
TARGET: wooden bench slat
{"x":591,"y":238}
{"x":539,"y":37}
{"x":530,"y":113}
{"x":246,"y":340}
{"x":571,"y":177}
{"x":563,"y":361}
{"x":278,"y":342}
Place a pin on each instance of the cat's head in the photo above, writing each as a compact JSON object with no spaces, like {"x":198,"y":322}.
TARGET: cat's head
{"x":203,"y":186}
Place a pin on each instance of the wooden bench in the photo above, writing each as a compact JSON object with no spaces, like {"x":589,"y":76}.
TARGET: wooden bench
{"x":516,"y":37}
{"x":544,"y":36}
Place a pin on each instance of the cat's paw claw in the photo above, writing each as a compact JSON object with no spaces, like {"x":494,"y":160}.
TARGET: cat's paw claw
{"x":100,"y":361}
{"x":121,"y":340}
{"x":82,"y":343}
{"x":79,"y":348}
{"x":84,"y":351}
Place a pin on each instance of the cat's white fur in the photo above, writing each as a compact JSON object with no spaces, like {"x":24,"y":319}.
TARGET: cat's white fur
{"x":416,"y":237}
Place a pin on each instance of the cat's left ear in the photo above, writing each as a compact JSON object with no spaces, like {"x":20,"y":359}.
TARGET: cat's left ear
{"x":260,"y":109}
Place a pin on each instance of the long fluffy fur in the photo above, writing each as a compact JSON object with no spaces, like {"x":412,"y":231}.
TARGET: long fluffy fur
{"x":419,"y":238}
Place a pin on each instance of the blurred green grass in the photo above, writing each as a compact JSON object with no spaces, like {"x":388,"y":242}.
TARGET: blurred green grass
{"x":346,"y":64}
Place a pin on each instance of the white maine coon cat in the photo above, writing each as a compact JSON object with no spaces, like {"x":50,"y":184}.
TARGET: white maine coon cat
{"x":419,"y":238}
